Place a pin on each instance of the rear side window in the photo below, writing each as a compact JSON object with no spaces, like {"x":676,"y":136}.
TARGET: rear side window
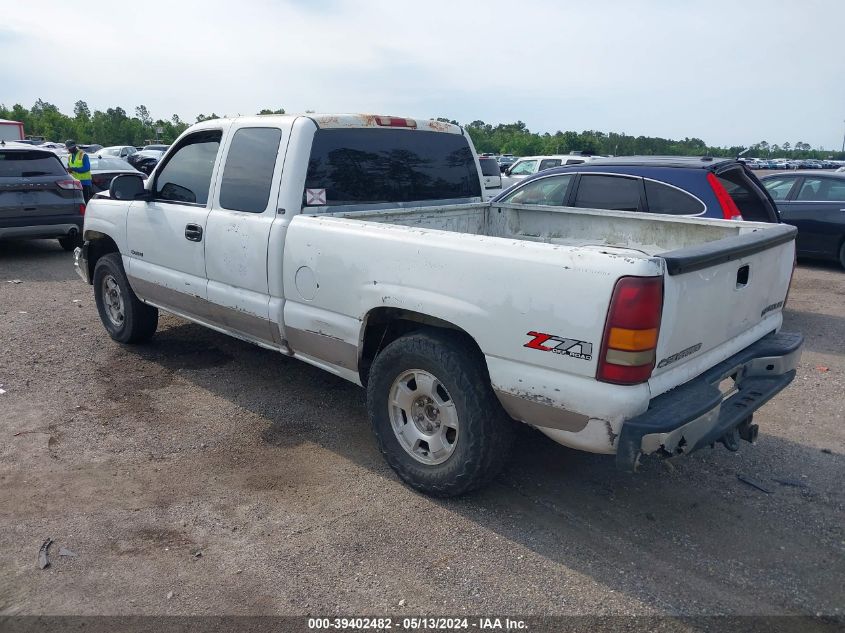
{"x":751,"y":202}
{"x":670,"y":200}
{"x":357,"y":166}
{"x":30,"y":164}
{"x":248,"y":173}
{"x":615,"y":193}
{"x":822,"y":190}
{"x":186,"y":177}
{"x":489,"y":167}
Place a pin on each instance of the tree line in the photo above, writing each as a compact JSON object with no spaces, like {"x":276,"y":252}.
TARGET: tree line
{"x":517,"y":139}
{"x":115,"y":126}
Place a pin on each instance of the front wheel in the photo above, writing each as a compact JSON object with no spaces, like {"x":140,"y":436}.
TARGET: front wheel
{"x":437,"y":421}
{"x":126,"y":318}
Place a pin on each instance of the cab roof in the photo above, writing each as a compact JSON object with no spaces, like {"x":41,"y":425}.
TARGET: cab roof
{"x":335,"y":121}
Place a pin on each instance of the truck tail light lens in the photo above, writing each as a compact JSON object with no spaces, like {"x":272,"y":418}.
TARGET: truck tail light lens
{"x":729,"y":209}
{"x":629,"y":344}
{"x":81,"y":209}
{"x":395,"y":121}
{"x":70,"y":183}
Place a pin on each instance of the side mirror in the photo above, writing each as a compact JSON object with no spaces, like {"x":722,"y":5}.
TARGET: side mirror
{"x":127,"y":187}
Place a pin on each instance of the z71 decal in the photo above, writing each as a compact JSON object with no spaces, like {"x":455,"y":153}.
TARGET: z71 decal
{"x":560,"y":345}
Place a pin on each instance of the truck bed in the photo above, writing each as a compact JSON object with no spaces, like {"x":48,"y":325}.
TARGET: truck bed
{"x":642,"y":234}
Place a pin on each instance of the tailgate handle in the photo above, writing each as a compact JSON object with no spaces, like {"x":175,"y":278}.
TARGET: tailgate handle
{"x":742,"y":276}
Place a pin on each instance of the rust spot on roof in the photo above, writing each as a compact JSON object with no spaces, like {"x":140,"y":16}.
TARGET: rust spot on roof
{"x":439,"y":126}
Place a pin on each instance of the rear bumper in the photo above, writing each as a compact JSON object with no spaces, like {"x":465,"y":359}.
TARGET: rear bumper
{"x":696,"y":414}
{"x":59,"y":227}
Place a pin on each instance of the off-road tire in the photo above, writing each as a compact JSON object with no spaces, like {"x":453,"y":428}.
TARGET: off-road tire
{"x":140,"y":320}
{"x":485,"y":433}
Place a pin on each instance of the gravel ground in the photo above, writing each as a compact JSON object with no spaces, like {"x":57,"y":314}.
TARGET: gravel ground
{"x":202,"y":475}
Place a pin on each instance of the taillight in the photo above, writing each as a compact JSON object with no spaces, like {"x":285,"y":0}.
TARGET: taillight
{"x":791,"y":275}
{"x":630,"y":333}
{"x":70,"y":183}
{"x":81,"y":209}
{"x":729,"y":209}
{"x":395,"y":121}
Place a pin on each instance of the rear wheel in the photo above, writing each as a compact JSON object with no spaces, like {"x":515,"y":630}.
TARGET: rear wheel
{"x":438,"y":422}
{"x":126,"y":318}
{"x":842,"y":255}
{"x":70,"y":242}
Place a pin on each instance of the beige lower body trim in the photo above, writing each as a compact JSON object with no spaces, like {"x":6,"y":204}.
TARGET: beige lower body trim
{"x":541,"y":413}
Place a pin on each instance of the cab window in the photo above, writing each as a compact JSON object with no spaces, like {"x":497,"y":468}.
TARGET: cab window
{"x":248,"y":173}
{"x":186,"y":178}
{"x":548,"y":163}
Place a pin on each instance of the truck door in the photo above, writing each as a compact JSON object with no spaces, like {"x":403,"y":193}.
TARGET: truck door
{"x":238,"y":229}
{"x":166,"y":235}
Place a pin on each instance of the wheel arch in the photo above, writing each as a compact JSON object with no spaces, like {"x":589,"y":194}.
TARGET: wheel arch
{"x":99,"y":244}
{"x":383,"y":325}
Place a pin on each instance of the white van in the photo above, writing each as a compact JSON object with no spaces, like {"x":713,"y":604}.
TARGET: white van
{"x":530,"y":165}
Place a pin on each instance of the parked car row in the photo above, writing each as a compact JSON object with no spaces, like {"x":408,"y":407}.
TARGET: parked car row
{"x":815,"y":204}
{"x":784,"y":163}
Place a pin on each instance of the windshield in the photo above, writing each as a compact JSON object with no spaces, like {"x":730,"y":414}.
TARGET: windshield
{"x":365,"y":165}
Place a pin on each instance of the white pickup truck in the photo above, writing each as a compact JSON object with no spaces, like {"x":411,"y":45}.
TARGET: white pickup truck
{"x":360,"y":244}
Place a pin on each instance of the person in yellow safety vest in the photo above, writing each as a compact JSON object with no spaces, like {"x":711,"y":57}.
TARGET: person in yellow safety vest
{"x":79,"y":167}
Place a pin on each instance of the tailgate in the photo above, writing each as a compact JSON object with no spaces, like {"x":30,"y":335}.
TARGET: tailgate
{"x":720,"y":297}
{"x":23,"y":198}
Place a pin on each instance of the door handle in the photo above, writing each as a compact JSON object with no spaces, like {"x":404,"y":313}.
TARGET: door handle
{"x":193,"y":232}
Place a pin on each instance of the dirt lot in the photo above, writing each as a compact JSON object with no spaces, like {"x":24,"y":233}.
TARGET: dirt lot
{"x":202,"y":475}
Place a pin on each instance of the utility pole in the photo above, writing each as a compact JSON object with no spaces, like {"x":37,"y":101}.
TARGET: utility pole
{"x":843,"y":142}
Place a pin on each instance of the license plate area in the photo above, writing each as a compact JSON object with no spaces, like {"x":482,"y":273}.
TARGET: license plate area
{"x":728,"y":387}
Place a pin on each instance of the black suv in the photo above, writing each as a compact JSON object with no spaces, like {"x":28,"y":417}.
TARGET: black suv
{"x":708,"y":187}
{"x":38,"y":198}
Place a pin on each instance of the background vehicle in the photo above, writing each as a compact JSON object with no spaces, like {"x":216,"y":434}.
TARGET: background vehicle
{"x":530,"y":165}
{"x":118,"y":151}
{"x":490,"y":176}
{"x":360,"y":244}
{"x":815,"y":204}
{"x":159,"y":147}
{"x":11,"y":130}
{"x":92,"y":148}
{"x":505,"y":161}
{"x":38,"y":198}
{"x":145,"y":160}
{"x":103,"y":171}
{"x":706,"y":187}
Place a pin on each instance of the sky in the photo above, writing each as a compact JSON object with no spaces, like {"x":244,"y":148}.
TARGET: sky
{"x":728,"y":73}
